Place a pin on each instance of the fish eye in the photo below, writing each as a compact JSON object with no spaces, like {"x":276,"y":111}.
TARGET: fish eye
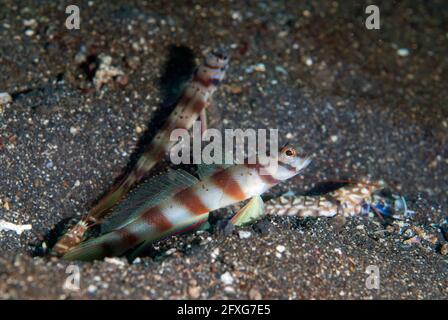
{"x":290,"y":152}
{"x":220,"y":55}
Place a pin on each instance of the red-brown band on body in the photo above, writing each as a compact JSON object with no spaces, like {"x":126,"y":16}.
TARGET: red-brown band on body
{"x":125,"y":239}
{"x":128,"y":239}
{"x":211,"y":67}
{"x":204,"y":82}
{"x":228,"y":185}
{"x":269,"y":179}
{"x":191,"y":201}
{"x":185,"y":100}
{"x":155,"y":217}
{"x":266,"y":177}
{"x":198,"y":106}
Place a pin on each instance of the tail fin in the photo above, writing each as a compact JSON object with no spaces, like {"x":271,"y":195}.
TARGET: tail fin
{"x":76,"y":234}
{"x":92,"y":249}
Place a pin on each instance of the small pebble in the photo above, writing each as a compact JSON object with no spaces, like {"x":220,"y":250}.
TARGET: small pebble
{"x":170,"y":251}
{"x":215,"y":253}
{"x":74,"y":130}
{"x":262,"y":227}
{"x":236,"y":15}
{"x":29,"y":32}
{"x":116,"y":261}
{"x":309,"y":62}
{"x":235,"y":89}
{"x":244,"y":234}
{"x":280,"y":69}
{"x":229,"y":289}
{"x":105,"y":72}
{"x":194,"y":292}
{"x":138,"y":129}
{"x":32,"y":23}
{"x":123,"y":80}
{"x":254,"y":294}
{"x":403,"y":52}
{"x":92,"y":288}
{"x":5,"y":98}
{"x":259,"y":67}
{"x":280,"y":248}
{"x":224,"y":227}
{"x":226,"y":278}
{"x":444,"y":249}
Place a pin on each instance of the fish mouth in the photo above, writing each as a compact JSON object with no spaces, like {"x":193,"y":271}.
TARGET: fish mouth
{"x":301,"y":163}
{"x":221,"y":53}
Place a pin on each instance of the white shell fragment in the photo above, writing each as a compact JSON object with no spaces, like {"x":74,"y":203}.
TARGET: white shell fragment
{"x":5,"y":98}
{"x":17,"y":228}
{"x":227,"y":278}
{"x":403,"y":52}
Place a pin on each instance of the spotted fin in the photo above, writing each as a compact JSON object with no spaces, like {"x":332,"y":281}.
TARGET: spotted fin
{"x":149,"y":194}
{"x":251,"y":212}
{"x":207,"y":170}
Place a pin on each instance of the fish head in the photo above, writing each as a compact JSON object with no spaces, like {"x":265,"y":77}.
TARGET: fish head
{"x":218,"y":59}
{"x":291,"y":161}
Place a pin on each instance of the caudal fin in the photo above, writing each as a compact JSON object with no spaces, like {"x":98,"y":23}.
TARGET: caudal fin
{"x":92,"y":250}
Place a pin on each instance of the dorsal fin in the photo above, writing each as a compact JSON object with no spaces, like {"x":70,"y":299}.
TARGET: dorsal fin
{"x":147,"y":195}
{"x":207,"y":170}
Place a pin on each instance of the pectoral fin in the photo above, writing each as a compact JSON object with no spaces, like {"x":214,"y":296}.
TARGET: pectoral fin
{"x":250,"y":213}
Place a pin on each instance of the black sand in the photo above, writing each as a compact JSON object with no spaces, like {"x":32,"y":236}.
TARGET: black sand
{"x":340,"y":91}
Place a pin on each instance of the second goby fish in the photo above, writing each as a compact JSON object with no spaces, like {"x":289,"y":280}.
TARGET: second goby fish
{"x":193,"y":103}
